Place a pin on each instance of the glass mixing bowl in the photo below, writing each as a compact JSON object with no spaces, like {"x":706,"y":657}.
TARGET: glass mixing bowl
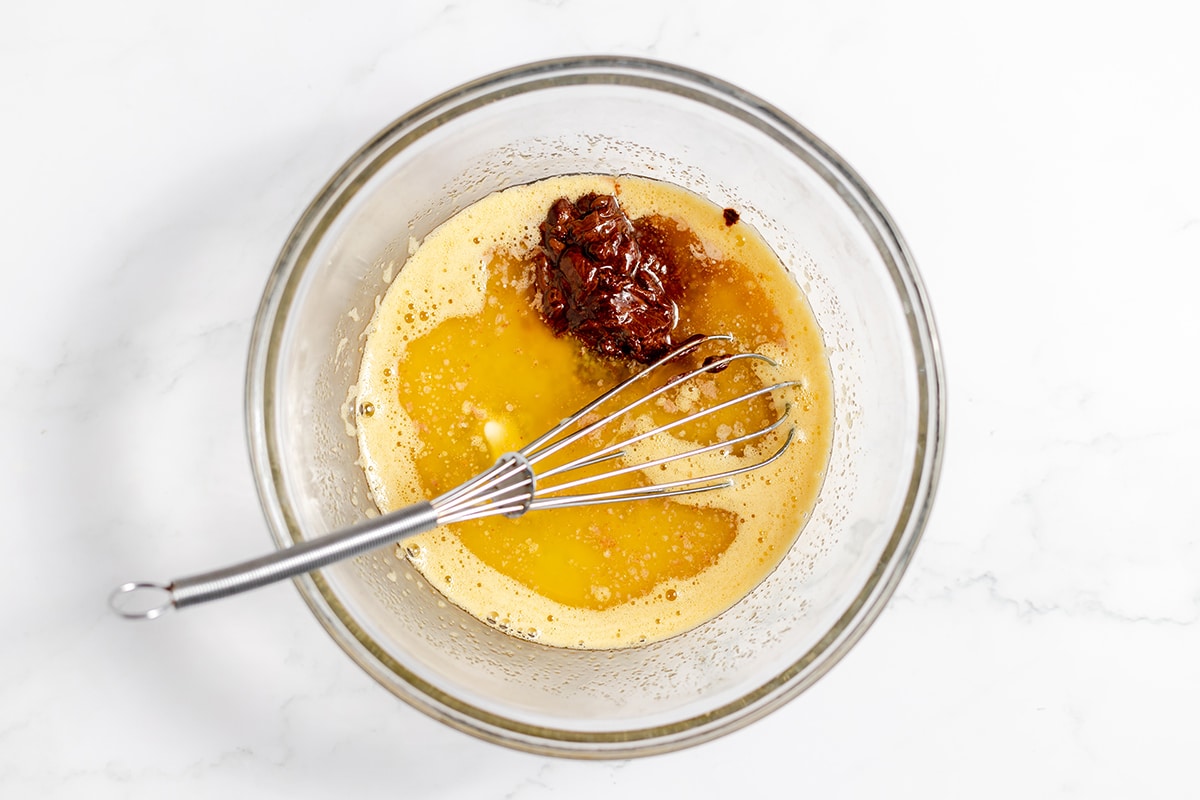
{"x":616,"y":116}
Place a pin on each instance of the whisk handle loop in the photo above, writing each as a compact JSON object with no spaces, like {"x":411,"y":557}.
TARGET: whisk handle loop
{"x":143,"y":600}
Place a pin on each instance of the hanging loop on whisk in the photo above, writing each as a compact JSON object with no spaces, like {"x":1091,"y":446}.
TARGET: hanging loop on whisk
{"x":141,"y":600}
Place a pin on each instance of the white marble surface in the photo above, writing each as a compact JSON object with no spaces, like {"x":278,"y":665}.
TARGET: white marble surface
{"x":1042,"y":160}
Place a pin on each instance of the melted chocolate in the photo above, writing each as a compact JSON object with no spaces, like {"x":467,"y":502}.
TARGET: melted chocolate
{"x":606,"y":280}
{"x":731,"y":217}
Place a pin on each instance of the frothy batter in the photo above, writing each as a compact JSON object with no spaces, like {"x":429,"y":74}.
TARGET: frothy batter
{"x":458,"y":368}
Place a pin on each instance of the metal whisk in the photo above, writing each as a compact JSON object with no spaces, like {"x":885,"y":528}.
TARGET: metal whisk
{"x":511,"y":487}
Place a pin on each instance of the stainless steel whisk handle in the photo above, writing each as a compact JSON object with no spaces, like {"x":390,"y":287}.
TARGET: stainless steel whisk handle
{"x":145,"y":600}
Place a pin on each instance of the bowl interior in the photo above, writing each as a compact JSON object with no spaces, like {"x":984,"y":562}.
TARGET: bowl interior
{"x":616,"y":119}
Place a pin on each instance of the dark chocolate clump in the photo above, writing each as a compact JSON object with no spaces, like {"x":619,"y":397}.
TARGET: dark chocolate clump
{"x":606,"y":280}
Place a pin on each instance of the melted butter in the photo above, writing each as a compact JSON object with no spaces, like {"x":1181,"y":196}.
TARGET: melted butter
{"x":458,"y":368}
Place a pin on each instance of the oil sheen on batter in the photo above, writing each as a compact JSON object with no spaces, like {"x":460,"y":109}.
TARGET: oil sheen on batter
{"x":458,"y":368}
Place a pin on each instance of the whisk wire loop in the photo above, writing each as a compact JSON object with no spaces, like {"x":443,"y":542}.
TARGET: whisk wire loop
{"x":512,"y":487}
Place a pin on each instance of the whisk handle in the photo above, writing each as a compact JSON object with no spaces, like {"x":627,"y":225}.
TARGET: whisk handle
{"x":143,"y":600}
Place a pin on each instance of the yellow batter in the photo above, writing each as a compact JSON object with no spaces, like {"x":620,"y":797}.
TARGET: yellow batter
{"x":458,"y":368}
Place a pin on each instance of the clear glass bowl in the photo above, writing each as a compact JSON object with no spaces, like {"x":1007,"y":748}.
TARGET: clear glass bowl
{"x":617,"y":116}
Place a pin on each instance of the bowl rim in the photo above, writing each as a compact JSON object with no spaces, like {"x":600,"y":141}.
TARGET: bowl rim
{"x":282,"y":285}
